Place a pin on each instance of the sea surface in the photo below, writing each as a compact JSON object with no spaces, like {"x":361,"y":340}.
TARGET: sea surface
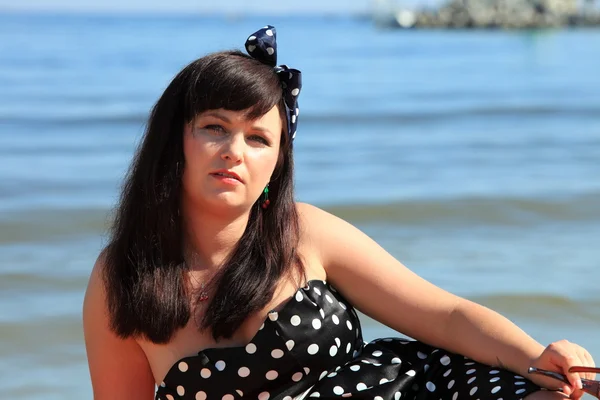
{"x":473,"y":157}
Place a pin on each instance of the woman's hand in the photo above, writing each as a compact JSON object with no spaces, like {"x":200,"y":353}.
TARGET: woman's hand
{"x":559,"y":357}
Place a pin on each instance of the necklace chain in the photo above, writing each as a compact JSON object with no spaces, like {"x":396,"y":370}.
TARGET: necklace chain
{"x":203,"y":295}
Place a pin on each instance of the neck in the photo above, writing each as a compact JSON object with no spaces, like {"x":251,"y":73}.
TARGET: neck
{"x":210,"y":238}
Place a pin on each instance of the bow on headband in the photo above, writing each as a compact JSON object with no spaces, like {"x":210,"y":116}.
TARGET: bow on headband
{"x":262,"y":45}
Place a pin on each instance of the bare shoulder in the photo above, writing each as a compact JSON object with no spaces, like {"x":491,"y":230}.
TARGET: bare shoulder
{"x":95,"y":283}
{"x":118,"y":367}
{"x":329,"y":234}
{"x":374,"y":281}
{"x":316,"y":221}
{"x":94,"y":301}
{"x":316,"y":226}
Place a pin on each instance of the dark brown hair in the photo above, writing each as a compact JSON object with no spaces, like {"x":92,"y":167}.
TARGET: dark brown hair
{"x":144,"y":272}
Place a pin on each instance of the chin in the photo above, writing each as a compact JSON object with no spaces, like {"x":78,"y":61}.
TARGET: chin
{"x":232,"y":203}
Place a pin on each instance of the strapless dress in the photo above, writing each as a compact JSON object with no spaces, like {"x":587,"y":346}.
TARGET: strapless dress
{"x":313,"y":347}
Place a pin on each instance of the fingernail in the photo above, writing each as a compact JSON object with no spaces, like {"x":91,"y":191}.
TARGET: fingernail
{"x":579,"y":384}
{"x":568,"y":390}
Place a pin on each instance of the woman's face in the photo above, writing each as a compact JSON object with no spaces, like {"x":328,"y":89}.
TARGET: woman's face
{"x":229,"y":159}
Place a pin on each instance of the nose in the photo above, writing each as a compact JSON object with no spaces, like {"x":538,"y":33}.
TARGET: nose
{"x":233,"y":149}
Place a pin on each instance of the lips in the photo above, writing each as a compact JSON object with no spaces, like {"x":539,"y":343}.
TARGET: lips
{"x":227,"y":174}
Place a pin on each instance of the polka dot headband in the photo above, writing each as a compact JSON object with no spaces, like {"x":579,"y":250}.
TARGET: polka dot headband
{"x":262,"y":46}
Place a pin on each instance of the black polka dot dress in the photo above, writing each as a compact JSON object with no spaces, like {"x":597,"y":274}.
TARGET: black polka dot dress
{"x":313,"y":347}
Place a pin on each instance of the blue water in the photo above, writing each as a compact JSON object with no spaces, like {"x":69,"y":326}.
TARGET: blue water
{"x":474,"y":157}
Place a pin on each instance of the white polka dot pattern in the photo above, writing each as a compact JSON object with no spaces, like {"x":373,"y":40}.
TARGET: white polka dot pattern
{"x":220,"y":365}
{"x":262,"y":45}
{"x":183,"y":367}
{"x":314,"y":347}
{"x":251,"y":348}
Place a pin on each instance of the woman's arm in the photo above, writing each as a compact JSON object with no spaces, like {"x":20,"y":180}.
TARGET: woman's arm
{"x":381,"y":287}
{"x":490,"y":338}
{"x":118,"y":367}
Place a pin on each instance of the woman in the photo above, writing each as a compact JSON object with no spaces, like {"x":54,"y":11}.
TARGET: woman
{"x":217,"y":285}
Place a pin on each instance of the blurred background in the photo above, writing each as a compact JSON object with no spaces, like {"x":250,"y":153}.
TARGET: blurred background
{"x":473,"y":155}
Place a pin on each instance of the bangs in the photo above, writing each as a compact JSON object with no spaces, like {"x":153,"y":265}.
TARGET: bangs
{"x":231,"y":81}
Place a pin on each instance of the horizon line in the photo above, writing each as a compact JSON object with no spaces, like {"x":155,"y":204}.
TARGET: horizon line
{"x":180,"y":12}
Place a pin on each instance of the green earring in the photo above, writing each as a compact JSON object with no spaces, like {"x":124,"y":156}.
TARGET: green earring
{"x":266,"y":201}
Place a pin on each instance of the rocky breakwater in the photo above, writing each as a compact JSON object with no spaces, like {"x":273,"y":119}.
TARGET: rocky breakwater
{"x":503,"y":14}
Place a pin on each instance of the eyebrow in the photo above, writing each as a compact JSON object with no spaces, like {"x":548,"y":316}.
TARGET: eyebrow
{"x":223,"y":118}
{"x":216,"y":115}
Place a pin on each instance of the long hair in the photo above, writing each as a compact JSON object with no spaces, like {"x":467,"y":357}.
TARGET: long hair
{"x":144,"y":270}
